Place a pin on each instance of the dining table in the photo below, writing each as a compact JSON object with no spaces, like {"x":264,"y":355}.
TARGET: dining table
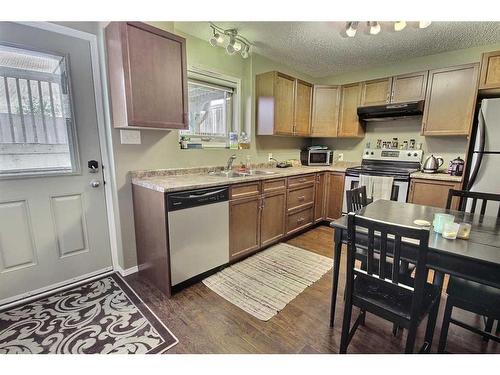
{"x":476,"y":259}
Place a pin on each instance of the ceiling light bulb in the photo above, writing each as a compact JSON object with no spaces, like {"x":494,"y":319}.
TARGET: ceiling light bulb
{"x":244,"y":53}
{"x":216,"y":40}
{"x":351,"y":29}
{"x":424,"y":24}
{"x":237,"y":46}
{"x":374,"y":27}
{"x":399,"y":25}
{"x":230,"y":49}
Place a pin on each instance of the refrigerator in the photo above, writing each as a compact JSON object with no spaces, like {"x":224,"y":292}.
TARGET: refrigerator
{"x":484,"y":155}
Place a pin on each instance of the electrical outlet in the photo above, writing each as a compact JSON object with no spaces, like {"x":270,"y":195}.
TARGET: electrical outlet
{"x":340,"y":157}
{"x":269,"y":156}
{"x":130,"y":137}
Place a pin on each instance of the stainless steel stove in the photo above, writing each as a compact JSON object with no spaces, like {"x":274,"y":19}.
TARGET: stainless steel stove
{"x":398,"y":164}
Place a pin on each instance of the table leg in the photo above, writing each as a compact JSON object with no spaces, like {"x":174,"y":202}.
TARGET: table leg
{"x":337,"y":250}
{"x":431,"y":320}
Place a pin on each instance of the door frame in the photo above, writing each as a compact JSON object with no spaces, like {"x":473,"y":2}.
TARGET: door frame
{"x":108,"y":171}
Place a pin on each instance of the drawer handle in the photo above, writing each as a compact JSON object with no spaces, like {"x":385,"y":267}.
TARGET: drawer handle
{"x":303,"y":180}
{"x":300,"y":220}
{"x":301,"y":198}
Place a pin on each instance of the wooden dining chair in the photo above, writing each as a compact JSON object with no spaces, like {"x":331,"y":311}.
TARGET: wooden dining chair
{"x":374,"y":291}
{"x":469,"y":295}
{"x":356,"y":199}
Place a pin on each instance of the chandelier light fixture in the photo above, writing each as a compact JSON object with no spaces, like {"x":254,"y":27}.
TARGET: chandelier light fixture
{"x":230,"y":40}
{"x":374,"y":27}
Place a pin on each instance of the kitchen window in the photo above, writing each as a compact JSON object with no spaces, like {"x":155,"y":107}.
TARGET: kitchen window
{"x":213,"y":109}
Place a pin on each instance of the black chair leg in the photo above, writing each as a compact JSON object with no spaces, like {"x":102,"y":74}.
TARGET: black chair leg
{"x":488,"y":327}
{"x":498,"y":328}
{"x":410,"y":339}
{"x":445,"y":326}
{"x":431,"y":325}
{"x":346,"y":325}
{"x":395,"y":329}
{"x":363,"y":318}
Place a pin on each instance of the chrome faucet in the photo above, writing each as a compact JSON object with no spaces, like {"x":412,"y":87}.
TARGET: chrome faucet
{"x":230,"y":162}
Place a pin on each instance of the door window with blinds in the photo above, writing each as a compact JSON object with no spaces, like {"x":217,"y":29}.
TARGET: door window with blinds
{"x":211,"y":108}
{"x":36,"y":128}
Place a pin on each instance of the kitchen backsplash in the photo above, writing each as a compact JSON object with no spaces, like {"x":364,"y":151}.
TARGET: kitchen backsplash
{"x":405,"y":129}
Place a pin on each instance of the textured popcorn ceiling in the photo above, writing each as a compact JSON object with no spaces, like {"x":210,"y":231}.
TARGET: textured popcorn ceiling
{"x":318,"y":48}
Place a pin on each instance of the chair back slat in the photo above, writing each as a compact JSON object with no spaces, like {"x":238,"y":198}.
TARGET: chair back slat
{"x":383,"y":254}
{"x":370,"y":256}
{"x":356,"y":199}
{"x":465,"y":195}
{"x":396,"y":258}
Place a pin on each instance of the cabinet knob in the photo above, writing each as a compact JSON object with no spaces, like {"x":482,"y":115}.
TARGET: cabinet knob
{"x":301,"y":198}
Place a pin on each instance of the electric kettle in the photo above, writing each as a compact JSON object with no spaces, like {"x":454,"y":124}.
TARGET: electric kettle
{"x":432,"y":164}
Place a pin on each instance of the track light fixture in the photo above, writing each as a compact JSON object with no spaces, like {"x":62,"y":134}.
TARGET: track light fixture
{"x":374,"y":27}
{"x":235,"y":42}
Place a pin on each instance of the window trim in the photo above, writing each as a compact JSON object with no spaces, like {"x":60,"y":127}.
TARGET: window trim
{"x":198,"y":73}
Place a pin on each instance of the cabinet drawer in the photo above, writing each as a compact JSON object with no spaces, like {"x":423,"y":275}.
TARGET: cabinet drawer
{"x":245,"y":190}
{"x":273,"y":185}
{"x":299,"y":220}
{"x":301,"y":180}
{"x":300,"y":197}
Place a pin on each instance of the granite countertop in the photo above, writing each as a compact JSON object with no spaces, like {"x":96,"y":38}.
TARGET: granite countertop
{"x":169,"y":180}
{"x":439,"y":176}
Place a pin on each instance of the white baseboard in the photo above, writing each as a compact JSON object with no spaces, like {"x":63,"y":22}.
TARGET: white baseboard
{"x":128,"y":271}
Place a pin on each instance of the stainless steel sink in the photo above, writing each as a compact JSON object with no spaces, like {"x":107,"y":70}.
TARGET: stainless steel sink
{"x":261,"y":172}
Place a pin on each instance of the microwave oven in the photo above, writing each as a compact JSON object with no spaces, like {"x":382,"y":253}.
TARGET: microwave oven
{"x":316,"y":157}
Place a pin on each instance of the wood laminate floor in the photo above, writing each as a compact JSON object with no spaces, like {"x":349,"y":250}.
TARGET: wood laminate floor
{"x":204,"y":322}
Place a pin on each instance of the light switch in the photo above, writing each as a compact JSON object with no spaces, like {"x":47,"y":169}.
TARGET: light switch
{"x":130,"y":137}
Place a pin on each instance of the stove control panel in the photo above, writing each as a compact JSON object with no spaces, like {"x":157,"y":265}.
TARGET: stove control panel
{"x":392,"y":155}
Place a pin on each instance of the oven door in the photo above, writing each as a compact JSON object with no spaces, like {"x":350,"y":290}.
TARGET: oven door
{"x":399,"y":190}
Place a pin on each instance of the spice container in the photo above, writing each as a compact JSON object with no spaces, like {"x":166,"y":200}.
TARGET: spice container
{"x":464,"y":231}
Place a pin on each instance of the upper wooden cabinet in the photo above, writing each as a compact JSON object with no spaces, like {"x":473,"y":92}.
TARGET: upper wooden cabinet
{"x":283,"y":105}
{"x":490,"y":71}
{"x":398,"y":89}
{"x":147,"y":76}
{"x":325,"y":111}
{"x":409,"y":87}
{"x":450,"y":100}
{"x":303,"y":103}
{"x":376,"y":92}
{"x":349,"y":125}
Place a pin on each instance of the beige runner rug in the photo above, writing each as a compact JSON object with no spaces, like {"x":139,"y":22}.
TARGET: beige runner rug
{"x":263,"y":284}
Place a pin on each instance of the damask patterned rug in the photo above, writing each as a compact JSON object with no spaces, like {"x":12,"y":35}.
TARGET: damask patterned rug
{"x":101,"y":316}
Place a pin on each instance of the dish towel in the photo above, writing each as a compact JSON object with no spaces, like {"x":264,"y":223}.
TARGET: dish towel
{"x":377,"y":187}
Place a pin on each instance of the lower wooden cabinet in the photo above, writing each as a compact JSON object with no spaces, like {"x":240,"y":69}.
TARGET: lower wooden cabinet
{"x":431,"y":192}
{"x":319,"y":197}
{"x":272,"y":223}
{"x":334,"y":195}
{"x":244,"y":226}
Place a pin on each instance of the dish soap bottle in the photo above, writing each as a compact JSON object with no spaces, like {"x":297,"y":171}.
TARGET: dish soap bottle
{"x":244,"y":141}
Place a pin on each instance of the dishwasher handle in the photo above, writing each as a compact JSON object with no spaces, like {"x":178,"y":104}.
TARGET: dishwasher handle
{"x":195,"y":198}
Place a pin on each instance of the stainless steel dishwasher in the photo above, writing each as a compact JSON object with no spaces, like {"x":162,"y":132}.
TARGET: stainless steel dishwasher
{"x":198,"y":227}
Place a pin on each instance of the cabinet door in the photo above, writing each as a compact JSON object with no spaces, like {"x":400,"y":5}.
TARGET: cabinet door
{"x":450,"y":100}
{"x":490,"y":71}
{"x":244,"y":226}
{"x":152,"y":89}
{"x":376,"y":92}
{"x":334,"y":195}
{"x":325,"y":111}
{"x":303,"y":103}
{"x":273,"y":217}
{"x":284,"y":97}
{"x":431,"y":193}
{"x":349,"y":125}
{"x":409,"y":87}
{"x":319,"y":197}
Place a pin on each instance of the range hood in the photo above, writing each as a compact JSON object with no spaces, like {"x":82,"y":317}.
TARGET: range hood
{"x":391,"y":111}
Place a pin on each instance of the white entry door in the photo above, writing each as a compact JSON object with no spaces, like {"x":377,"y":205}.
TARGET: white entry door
{"x":53,"y":222}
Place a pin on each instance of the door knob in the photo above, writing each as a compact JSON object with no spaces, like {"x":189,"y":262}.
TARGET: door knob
{"x":95,"y":183}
